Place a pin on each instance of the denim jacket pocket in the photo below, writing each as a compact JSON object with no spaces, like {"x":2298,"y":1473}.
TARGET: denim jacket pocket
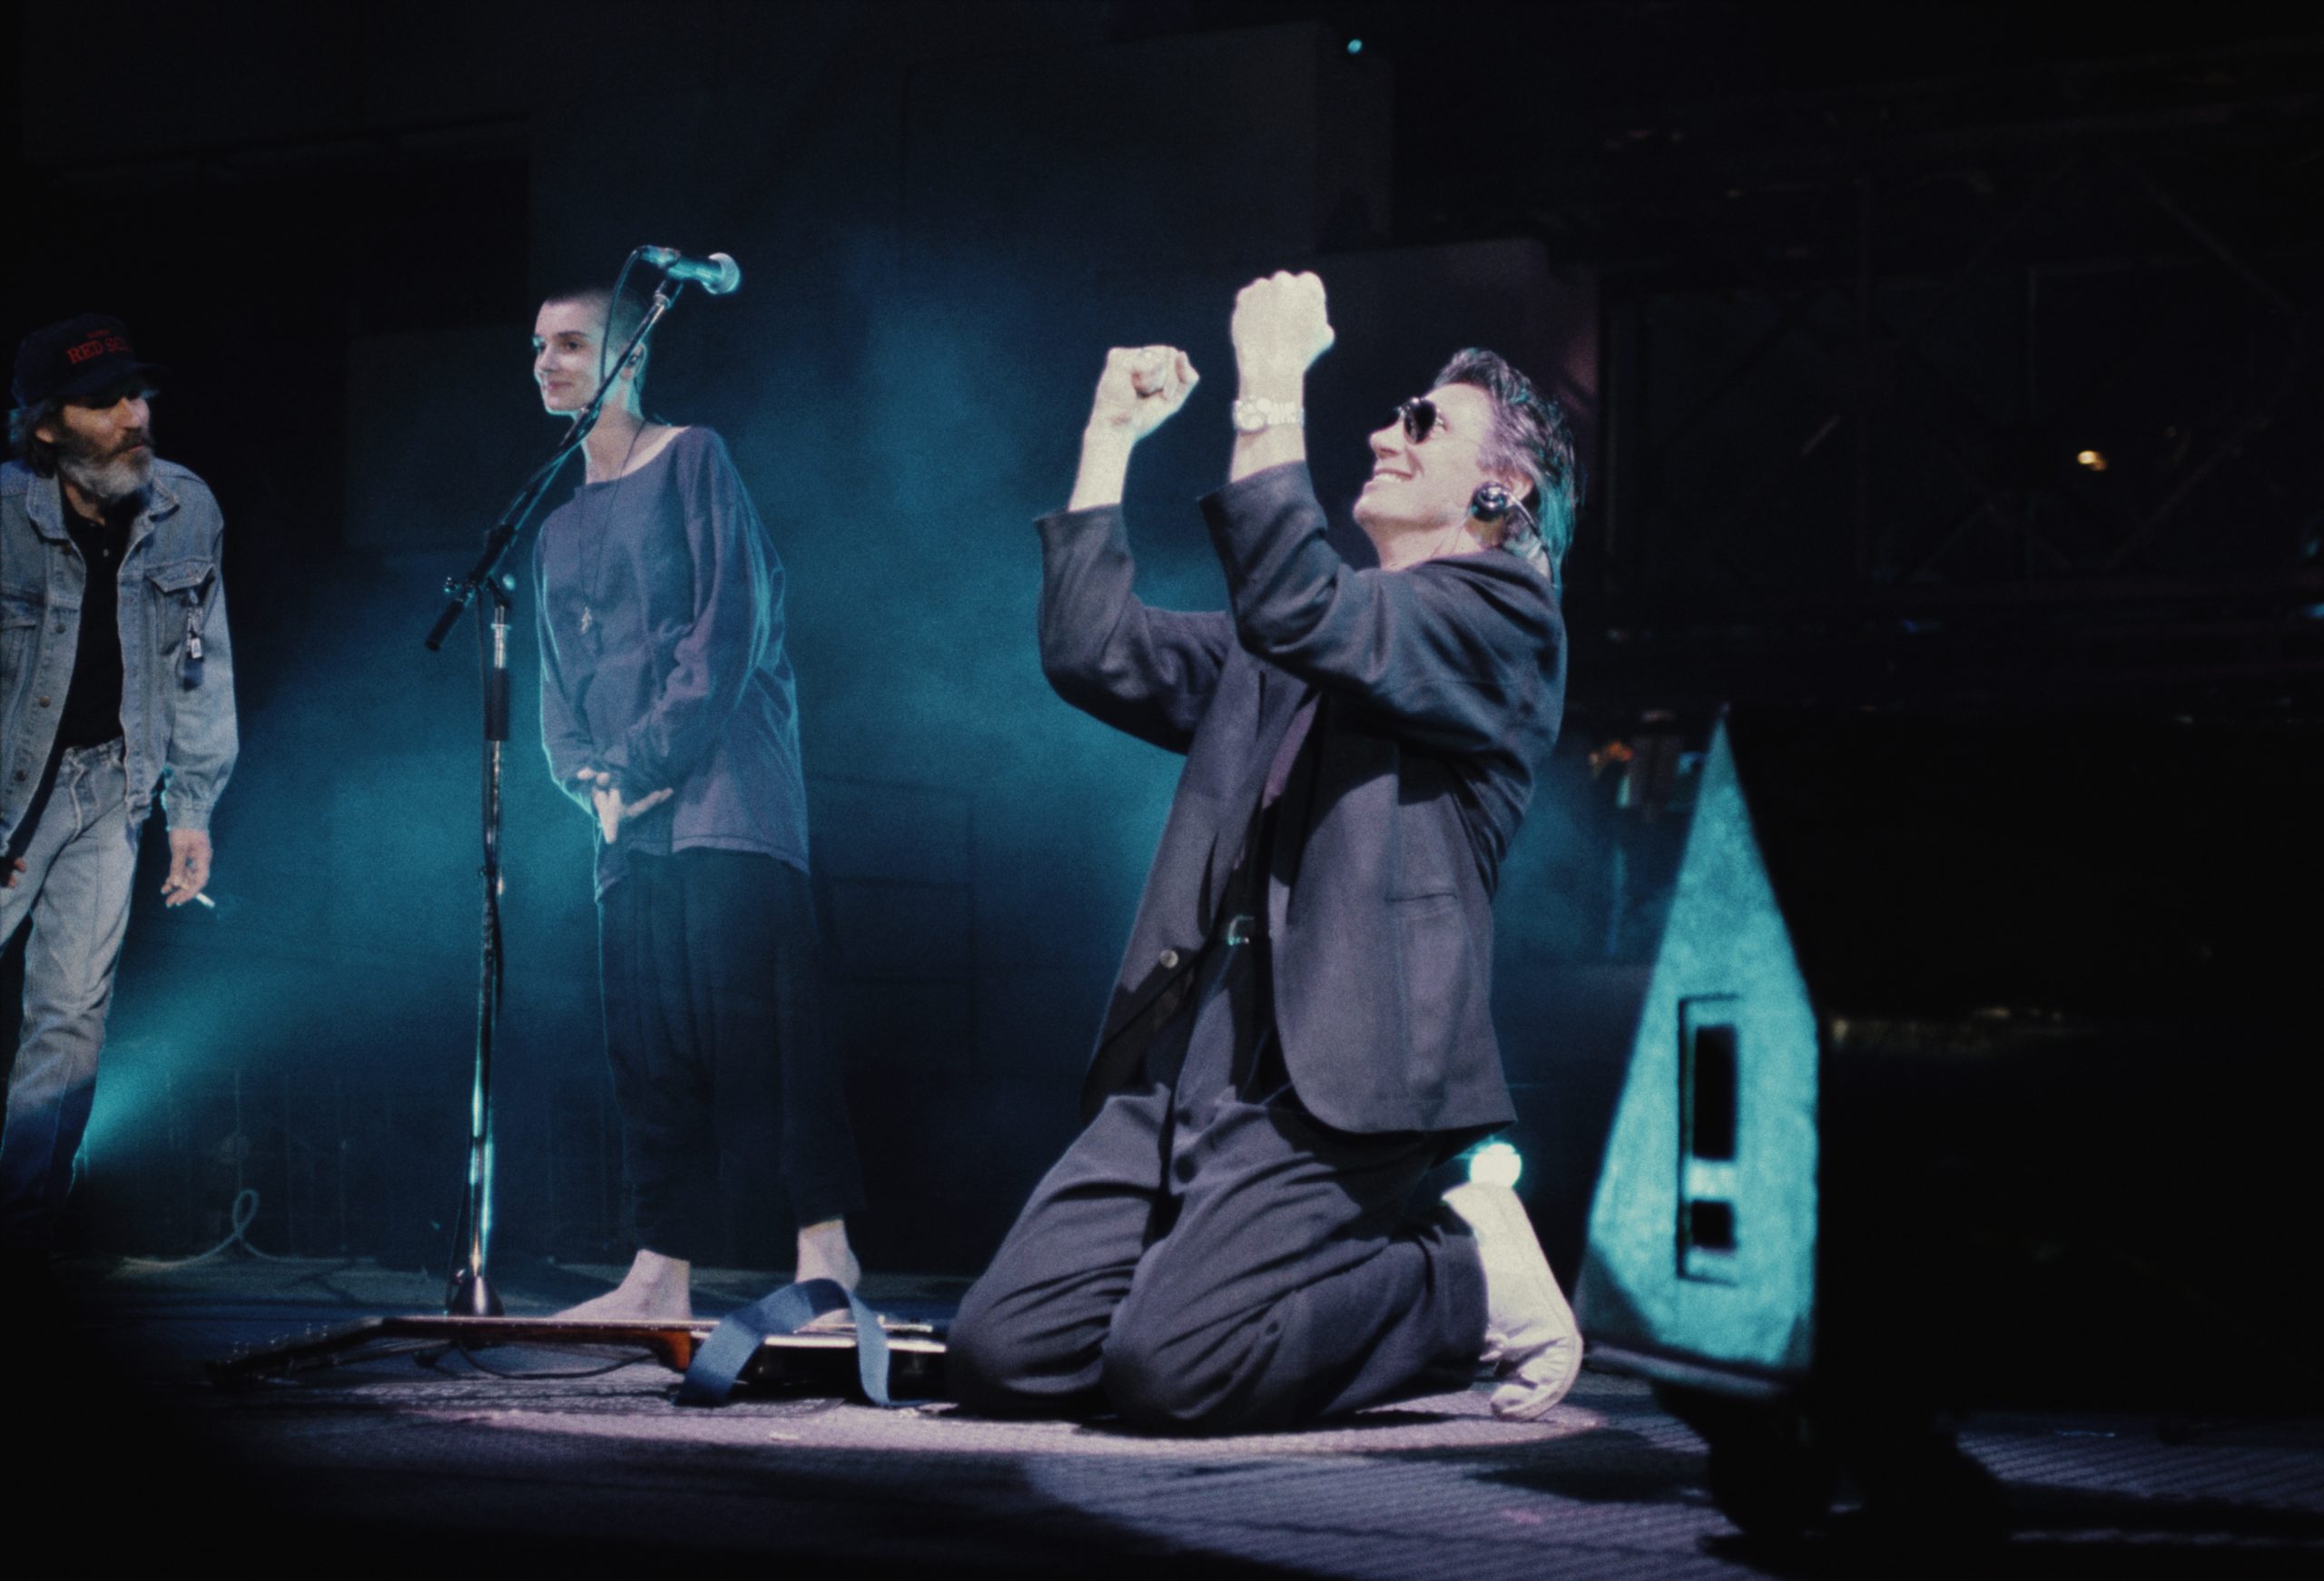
{"x":179,"y":590}
{"x":183,"y":581}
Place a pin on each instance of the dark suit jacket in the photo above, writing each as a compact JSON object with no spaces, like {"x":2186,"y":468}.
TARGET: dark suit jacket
{"x":1439,"y":689}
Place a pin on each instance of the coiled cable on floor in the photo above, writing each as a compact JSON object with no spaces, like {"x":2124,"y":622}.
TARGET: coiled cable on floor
{"x":238,"y":1219}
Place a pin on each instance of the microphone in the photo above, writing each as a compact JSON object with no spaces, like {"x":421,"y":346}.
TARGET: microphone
{"x":718,"y":274}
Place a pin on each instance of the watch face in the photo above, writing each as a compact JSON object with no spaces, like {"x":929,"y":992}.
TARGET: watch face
{"x":1249,"y":417}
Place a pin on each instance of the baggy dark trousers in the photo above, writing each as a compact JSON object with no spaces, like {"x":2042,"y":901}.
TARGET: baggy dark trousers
{"x":723,"y":1071}
{"x":1209,"y":1257}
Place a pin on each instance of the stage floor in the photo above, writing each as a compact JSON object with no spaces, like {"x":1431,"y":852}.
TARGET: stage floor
{"x":390,"y":1462}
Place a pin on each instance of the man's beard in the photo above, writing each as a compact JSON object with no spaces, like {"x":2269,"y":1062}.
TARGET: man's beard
{"x":118,"y":478}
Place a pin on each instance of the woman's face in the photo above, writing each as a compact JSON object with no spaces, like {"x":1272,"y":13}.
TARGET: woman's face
{"x":567,"y":339}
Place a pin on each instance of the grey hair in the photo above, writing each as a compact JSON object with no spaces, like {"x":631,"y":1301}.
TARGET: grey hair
{"x":1529,"y":436}
{"x":32,"y":449}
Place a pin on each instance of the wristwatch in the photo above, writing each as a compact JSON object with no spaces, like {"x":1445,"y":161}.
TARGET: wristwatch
{"x":1254,"y":414}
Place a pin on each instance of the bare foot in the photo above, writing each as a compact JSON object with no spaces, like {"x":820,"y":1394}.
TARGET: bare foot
{"x":657,"y":1289}
{"x":824,"y":1253}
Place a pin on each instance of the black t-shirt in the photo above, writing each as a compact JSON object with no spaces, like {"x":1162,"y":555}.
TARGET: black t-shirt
{"x":91,"y":713}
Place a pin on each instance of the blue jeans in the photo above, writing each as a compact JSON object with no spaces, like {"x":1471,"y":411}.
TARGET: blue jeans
{"x":78,"y":865}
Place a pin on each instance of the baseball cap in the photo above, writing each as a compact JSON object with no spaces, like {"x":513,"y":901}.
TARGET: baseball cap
{"x":77,"y":358}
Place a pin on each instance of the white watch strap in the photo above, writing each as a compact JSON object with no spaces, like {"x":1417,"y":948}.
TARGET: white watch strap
{"x":1255,"y":413}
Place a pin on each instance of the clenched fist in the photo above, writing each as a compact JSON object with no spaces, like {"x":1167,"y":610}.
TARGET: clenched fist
{"x":1140,"y":387}
{"x":1280,"y":327}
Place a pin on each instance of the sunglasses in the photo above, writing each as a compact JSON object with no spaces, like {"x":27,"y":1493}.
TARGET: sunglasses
{"x":1418,"y":416}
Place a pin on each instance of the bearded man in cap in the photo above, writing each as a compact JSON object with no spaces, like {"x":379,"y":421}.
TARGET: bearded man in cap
{"x":116,"y":684}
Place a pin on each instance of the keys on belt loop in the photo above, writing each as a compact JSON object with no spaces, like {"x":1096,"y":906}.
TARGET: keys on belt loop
{"x":1239,"y":928}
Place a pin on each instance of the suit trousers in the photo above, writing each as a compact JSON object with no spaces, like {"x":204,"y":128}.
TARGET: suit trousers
{"x":722,"y":1069}
{"x":1208,"y":1257}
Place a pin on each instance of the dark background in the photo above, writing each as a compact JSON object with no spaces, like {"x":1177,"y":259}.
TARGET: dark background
{"x":1837,"y":304}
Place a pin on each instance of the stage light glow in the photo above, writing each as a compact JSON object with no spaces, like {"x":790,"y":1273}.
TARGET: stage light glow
{"x":1355,"y":47}
{"x":133,"y":1101}
{"x":1496,"y":1164}
{"x":2092,"y":459}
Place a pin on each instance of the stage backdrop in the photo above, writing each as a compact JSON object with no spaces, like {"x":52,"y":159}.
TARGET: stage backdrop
{"x":940,"y":233}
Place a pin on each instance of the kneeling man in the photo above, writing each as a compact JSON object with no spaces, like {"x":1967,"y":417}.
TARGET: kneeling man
{"x":1301,"y":1028}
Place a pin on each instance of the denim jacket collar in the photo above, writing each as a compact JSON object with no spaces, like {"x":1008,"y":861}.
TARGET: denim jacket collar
{"x":45,"y":509}
{"x":45,"y":506}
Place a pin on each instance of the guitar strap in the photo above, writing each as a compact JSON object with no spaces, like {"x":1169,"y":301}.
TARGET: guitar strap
{"x":719,"y":1364}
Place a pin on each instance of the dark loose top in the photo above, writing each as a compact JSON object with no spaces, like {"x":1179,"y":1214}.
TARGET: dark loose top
{"x":659,"y":600}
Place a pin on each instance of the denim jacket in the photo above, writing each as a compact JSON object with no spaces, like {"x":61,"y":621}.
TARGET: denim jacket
{"x":177,"y":667}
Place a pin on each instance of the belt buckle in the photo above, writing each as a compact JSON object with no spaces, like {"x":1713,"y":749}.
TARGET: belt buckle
{"x":1238,"y":929}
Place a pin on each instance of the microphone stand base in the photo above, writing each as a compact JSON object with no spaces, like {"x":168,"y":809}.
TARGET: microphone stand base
{"x":469,"y":1295}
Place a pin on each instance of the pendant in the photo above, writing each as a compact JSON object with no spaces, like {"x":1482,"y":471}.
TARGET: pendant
{"x":588,"y":617}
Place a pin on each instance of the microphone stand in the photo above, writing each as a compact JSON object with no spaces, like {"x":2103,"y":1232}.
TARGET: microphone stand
{"x":469,"y":1293}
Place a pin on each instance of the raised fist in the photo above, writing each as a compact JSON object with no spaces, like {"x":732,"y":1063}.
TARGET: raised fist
{"x":1141,"y":387}
{"x":1280,"y":327}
